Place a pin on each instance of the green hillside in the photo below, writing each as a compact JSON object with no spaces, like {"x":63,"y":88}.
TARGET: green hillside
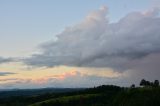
{"x":103,"y":97}
{"x":106,"y":95}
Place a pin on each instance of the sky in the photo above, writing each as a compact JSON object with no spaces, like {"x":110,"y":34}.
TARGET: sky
{"x":85,"y":43}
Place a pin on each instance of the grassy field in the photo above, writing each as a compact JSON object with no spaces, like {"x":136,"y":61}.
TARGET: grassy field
{"x":69,"y":100}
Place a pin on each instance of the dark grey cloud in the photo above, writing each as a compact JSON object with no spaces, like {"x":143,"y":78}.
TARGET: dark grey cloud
{"x":95,"y":42}
{"x":5,"y":73}
{"x":148,"y":68}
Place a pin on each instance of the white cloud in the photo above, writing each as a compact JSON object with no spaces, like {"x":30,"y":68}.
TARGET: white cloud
{"x":129,"y":46}
{"x":97,"y":43}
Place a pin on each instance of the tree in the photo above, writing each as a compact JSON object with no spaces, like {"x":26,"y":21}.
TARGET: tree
{"x":143,"y":82}
{"x":156,"y":83}
{"x":133,"y":86}
{"x":147,"y":83}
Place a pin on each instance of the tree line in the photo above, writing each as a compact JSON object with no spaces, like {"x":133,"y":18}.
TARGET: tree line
{"x":146,"y":83}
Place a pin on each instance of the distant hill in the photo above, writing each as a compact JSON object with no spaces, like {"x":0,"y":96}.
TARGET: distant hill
{"x":105,"y":95}
{"x":30,"y":92}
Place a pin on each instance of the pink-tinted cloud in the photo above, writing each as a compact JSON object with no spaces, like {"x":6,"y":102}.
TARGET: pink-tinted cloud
{"x":67,"y":79}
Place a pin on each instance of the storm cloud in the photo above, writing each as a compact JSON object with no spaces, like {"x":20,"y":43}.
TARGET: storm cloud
{"x":95,"y":42}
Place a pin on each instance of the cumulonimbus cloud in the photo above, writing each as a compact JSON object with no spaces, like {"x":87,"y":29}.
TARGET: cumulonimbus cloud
{"x":95,"y":42}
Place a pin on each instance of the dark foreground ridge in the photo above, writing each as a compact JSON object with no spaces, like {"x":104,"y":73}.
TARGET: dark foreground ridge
{"x":105,"y":95}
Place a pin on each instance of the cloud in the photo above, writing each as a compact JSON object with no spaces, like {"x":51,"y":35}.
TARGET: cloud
{"x":148,"y":68}
{"x":97,"y":43}
{"x":67,"y":79}
{"x":156,"y":3}
{"x":61,"y":76}
{"x":5,"y":73}
{"x":8,"y":79}
{"x":5,"y":60}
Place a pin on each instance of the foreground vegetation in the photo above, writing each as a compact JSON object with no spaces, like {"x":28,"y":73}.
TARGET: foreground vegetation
{"x":105,"y":95}
{"x":116,"y":97}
